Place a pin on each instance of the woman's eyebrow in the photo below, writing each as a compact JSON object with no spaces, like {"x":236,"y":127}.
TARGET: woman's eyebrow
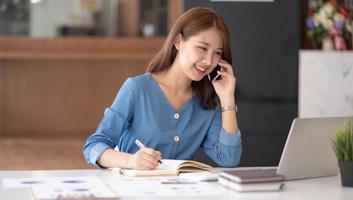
{"x":207,"y":44}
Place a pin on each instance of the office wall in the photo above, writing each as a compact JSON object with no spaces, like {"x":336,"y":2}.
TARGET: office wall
{"x":265,"y":43}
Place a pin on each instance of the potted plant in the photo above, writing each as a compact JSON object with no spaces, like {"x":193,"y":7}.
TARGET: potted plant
{"x":342,"y":143}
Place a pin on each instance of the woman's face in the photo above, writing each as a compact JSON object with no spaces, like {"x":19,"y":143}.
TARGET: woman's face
{"x":200,"y":54}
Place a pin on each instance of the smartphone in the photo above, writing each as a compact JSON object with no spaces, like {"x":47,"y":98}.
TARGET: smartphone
{"x":213,"y":75}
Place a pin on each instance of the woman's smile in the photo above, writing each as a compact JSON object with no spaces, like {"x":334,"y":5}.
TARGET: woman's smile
{"x":201,"y":70}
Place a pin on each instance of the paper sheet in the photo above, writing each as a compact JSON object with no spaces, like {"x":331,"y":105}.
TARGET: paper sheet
{"x":72,"y":192}
{"x":121,"y":186}
{"x":51,"y":181}
{"x":166,"y":186}
{"x":54,"y":187}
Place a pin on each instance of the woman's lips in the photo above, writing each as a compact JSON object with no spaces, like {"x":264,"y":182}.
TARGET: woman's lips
{"x":201,"y":69}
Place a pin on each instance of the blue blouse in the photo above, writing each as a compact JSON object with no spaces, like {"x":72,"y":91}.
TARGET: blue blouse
{"x":142,"y":111}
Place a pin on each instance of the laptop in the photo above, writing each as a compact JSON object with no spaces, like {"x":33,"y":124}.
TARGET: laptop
{"x":308,"y":152}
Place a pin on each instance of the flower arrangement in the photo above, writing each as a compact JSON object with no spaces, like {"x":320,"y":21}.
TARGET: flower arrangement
{"x":330,"y":19}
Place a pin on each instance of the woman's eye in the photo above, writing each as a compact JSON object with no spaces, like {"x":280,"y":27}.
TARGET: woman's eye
{"x":203,"y":48}
{"x":219,"y":54}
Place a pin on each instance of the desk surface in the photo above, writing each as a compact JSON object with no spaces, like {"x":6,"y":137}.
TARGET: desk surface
{"x":318,"y":188}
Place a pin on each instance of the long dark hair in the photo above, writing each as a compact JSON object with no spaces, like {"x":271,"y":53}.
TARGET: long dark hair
{"x":189,"y":24}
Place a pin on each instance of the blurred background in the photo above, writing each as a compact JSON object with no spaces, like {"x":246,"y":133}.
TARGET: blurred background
{"x":62,"y":63}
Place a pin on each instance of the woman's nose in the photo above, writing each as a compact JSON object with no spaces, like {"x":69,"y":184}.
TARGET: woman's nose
{"x":207,"y":60}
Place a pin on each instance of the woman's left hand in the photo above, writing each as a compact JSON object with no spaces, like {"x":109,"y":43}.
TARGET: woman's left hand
{"x":225,"y":87}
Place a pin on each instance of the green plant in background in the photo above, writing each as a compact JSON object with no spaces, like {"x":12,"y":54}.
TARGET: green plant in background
{"x":342,"y":141}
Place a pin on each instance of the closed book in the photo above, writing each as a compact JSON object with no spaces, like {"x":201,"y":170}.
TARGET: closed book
{"x":252,"y":175}
{"x":168,"y":167}
{"x":250,"y":187}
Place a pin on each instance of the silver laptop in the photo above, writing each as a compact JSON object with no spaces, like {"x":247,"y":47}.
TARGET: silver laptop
{"x":308,"y":152}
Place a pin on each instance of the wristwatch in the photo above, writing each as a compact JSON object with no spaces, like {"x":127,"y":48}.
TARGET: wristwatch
{"x":233,"y":107}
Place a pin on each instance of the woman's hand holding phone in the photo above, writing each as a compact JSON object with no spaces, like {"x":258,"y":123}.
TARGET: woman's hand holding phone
{"x":224,"y":84}
{"x":214,"y":75}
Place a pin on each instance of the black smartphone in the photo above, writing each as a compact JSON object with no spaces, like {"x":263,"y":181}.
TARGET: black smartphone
{"x":213,"y":75}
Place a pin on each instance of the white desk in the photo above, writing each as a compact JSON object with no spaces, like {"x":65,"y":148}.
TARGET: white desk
{"x":319,"y":188}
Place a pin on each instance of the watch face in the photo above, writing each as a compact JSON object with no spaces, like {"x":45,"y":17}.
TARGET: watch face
{"x":225,"y":108}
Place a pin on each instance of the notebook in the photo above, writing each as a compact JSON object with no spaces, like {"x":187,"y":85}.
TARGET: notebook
{"x":168,"y":167}
{"x":252,"y":176}
{"x":245,"y":180}
{"x":250,"y":187}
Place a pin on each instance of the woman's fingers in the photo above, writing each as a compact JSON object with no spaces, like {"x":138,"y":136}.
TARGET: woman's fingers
{"x":156,"y":154}
{"x":147,"y":159}
{"x":227,"y":69}
{"x":226,"y":66}
{"x":225,"y":74}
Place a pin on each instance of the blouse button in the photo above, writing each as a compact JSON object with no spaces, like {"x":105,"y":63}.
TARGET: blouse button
{"x":176,"y":138}
{"x":176,"y":116}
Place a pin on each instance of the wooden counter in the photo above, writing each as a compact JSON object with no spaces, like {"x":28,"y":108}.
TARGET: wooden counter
{"x":61,"y":86}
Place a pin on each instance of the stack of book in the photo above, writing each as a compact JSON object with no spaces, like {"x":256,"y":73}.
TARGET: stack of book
{"x":251,"y":180}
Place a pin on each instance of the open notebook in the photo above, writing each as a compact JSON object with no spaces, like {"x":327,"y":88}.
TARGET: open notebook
{"x":168,"y":167}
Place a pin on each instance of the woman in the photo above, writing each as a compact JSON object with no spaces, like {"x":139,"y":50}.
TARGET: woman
{"x":175,"y":107}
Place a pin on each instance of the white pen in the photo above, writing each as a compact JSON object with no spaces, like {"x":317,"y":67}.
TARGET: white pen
{"x":142,"y":146}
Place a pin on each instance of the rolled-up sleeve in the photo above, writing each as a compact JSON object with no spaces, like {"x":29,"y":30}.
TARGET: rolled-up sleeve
{"x":115,"y":120}
{"x":222,"y":147}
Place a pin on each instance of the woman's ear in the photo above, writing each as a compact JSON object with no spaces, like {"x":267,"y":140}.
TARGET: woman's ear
{"x":178,"y":41}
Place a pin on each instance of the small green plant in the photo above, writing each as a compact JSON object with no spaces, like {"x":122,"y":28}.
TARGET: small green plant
{"x":342,"y":141}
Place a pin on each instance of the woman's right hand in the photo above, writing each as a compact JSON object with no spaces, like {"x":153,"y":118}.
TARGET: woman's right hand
{"x":146,"y":158}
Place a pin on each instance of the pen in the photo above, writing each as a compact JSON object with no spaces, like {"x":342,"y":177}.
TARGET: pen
{"x":142,"y":146}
